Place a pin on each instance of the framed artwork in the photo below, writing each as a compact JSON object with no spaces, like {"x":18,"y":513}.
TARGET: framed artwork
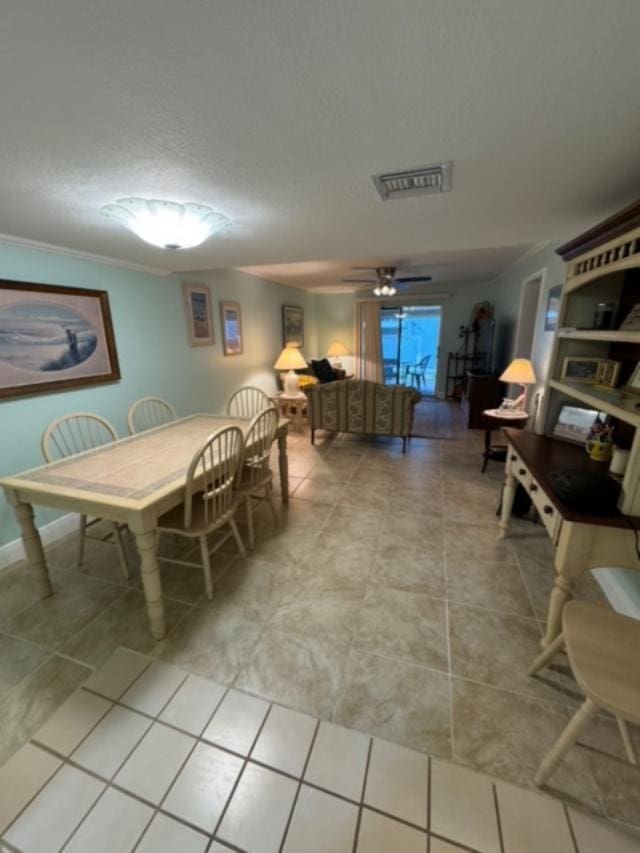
{"x":608,"y":372}
{"x":552,"y":311}
{"x":53,"y":338}
{"x":574,"y":423}
{"x":292,"y":325}
{"x":580,"y":369}
{"x":197,"y":306}
{"x":231,"y":320}
{"x":633,"y":385}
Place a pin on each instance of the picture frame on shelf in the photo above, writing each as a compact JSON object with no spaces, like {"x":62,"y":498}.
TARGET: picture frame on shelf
{"x":552,"y":311}
{"x":631,"y":322}
{"x":633,"y":384}
{"x":231,"y":323}
{"x":197,"y":306}
{"x":580,"y":369}
{"x":574,"y":423}
{"x":292,"y":325}
{"x":54,"y":338}
{"x":608,"y":372}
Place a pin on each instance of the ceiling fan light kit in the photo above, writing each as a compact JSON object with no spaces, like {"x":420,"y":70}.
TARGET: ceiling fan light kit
{"x":167,"y":224}
{"x":386,"y":280}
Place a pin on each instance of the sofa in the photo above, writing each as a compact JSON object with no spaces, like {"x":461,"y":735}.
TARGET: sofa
{"x":363,"y":407}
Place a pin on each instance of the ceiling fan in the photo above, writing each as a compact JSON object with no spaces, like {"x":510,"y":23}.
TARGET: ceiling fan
{"x":386,"y":282}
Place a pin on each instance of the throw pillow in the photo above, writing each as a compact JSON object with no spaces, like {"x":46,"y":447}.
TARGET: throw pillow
{"x":323,"y":370}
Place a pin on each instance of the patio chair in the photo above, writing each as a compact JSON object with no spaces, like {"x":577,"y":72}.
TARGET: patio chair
{"x":417,"y":372}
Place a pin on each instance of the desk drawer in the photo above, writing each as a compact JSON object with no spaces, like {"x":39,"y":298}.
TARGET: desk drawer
{"x":518,"y":468}
{"x":548,"y":513}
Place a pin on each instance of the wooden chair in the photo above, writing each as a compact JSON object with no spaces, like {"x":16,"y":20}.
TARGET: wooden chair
{"x":77,"y":433}
{"x":602,"y":647}
{"x":210,"y":499}
{"x":149,"y":412}
{"x":246,"y":402}
{"x":255,"y":478}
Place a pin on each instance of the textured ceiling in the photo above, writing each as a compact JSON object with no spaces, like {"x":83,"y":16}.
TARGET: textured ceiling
{"x":276,"y":113}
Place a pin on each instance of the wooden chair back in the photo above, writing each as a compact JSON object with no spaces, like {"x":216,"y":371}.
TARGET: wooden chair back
{"x":211,"y":475}
{"x":246,"y":402}
{"x":149,"y":412}
{"x":254,"y":468}
{"x":75,"y":433}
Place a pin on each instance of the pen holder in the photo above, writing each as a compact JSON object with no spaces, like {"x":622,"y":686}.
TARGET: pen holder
{"x":598,"y":450}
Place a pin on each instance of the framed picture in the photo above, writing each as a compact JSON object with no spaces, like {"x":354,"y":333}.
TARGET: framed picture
{"x":633,"y":385}
{"x":552,"y":311}
{"x":54,"y":338}
{"x":574,"y":423}
{"x":292,"y":325}
{"x":580,"y":369}
{"x":608,"y":372}
{"x":197,"y":306}
{"x":231,"y":320}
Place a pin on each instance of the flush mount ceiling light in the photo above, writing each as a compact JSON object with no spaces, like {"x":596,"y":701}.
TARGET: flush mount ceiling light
{"x":167,"y":224}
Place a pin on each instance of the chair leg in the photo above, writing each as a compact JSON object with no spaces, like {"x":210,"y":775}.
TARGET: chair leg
{"x":404,"y":444}
{"x":252,"y":537}
{"x":206,"y":566}
{"x":237,"y":537}
{"x":626,"y":739}
{"x":82,"y":535}
{"x":272,"y":503}
{"x":547,"y":655}
{"x":122,"y":553}
{"x":566,"y":740}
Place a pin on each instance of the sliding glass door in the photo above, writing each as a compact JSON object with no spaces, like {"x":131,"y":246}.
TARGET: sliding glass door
{"x":410,"y":341}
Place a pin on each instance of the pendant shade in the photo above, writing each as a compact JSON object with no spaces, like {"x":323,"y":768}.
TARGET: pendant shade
{"x":167,"y":224}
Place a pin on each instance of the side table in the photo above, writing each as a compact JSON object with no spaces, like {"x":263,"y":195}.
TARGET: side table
{"x":293,"y":406}
{"x":494,"y":419}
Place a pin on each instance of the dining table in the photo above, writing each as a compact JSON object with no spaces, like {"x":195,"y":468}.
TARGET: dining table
{"x":133,"y":481}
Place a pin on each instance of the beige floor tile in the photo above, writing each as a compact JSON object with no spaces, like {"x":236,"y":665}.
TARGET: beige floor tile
{"x":154,"y":763}
{"x":319,"y":612}
{"x":321,"y":823}
{"x":117,"y":674}
{"x":437,"y":845}
{"x":618,"y":782}
{"x":338,"y":760}
{"x":17,"y":591}
{"x":253,"y":589}
{"x":362,"y":526}
{"x":100,"y":559}
{"x":109,"y":744}
{"x":463,"y":808}
{"x":202,"y":789}
{"x":51,"y":818}
{"x":31,"y":703}
{"x":285,"y":740}
{"x":193,"y":704}
{"x":166,"y":835}
{"x":473,"y":541}
{"x":596,"y":836}
{"x":397,"y":782}
{"x":186,"y":583}
{"x":237,"y":722}
{"x":18,"y":659}
{"x":410,"y":568}
{"x":257,"y":815}
{"x":153,"y":689}
{"x":320,"y":491}
{"x":379,"y":834}
{"x":115,"y":823}
{"x":72,"y":722}
{"x":531,"y":822}
{"x":404,"y":625}
{"x":21,"y":777}
{"x":295,"y":670}
{"x":492,"y":585}
{"x":400,"y":702}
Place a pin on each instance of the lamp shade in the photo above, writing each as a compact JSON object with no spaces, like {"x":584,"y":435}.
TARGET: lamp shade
{"x":290,"y":359}
{"x":519,"y":372}
{"x":336,"y":349}
{"x":167,"y":224}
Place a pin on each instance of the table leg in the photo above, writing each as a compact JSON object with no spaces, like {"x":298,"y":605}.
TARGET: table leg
{"x":33,"y":548}
{"x":487,"y":448}
{"x":508,"y":495}
{"x":283,"y":464}
{"x":151,"y":585}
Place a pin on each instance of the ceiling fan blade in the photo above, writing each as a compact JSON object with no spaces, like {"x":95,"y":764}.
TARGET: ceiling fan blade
{"x":360,"y":280}
{"x":409,"y":279}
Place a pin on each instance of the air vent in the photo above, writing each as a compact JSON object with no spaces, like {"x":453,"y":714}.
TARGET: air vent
{"x":421,"y":181}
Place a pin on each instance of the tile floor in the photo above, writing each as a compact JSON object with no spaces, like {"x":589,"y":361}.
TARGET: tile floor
{"x":145,"y":756}
{"x":382,"y":602}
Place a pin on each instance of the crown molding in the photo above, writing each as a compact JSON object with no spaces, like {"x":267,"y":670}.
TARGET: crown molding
{"x":537,"y":247}
{"x":37,"y":246}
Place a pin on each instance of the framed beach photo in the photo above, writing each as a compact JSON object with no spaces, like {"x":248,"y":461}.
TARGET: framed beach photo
{"x":54,"y":338}
{"x":292,"y":325}
{"x":231,"y":320}
{"x":197,"y":306}
{"x":574,"y":423}
{"x":581,"y":369}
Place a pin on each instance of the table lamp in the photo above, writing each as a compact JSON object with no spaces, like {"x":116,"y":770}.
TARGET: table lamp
{"x":520,"y":372}
{"x":336,"y":350}
{"x":290,"y":359}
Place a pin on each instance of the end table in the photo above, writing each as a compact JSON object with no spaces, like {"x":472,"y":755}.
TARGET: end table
{"x":291,"y":406}
{"x":494,"y":419}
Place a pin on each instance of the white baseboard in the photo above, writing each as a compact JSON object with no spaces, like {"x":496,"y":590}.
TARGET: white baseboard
{"x":58,"y":529}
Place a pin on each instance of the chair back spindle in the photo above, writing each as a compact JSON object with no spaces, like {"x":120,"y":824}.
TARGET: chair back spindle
{"x":76,"y":433}
{"x":246,"y":402}
{"x":149,"y":412}
{"x":211,"y":475}
{"x":254,"y":468}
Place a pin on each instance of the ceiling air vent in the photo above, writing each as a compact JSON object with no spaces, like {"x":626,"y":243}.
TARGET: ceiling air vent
{"x":420,"y":181}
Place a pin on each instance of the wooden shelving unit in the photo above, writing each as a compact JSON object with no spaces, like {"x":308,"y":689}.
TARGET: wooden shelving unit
{"x":607,"y":336}
{"x":612,"y":402}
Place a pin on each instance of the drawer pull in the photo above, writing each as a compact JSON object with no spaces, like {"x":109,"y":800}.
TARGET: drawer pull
{"x":522,"y":472}
{"x":533,"y":487}
{"x":514,"y":458}
{"x":547,"y":509}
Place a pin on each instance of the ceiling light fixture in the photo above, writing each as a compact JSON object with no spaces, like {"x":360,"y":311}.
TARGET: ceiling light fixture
{"x":385,"y":290}
{"x":167,"y":224}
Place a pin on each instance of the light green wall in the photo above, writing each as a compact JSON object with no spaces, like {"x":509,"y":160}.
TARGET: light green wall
{"x":155,"y":358}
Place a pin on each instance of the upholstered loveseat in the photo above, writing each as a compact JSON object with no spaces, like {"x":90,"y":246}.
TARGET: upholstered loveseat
{"x":360,"y":406}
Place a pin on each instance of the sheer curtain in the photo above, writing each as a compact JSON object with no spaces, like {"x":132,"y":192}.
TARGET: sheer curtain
{"x":368,"y":341}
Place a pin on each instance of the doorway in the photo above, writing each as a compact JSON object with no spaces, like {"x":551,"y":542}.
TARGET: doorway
{"x":410,"y":345}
